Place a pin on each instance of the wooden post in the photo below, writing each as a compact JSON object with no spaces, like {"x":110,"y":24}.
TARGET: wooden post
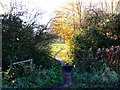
{"x":31,"y":63}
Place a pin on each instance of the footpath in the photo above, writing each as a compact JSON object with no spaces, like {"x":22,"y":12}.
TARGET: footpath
{"x":67,"y":73}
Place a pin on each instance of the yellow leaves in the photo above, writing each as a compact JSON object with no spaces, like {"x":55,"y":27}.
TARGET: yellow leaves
{"x":64,"y":29}
{"x":66,"y":34}
{"x":66,"y":25}
{"x":67,"y":20}
{"x":68,"y":41}
{"x":66,"y":56}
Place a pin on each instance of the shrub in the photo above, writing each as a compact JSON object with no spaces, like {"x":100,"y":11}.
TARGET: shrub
{"x":104,"y":78}
{"x":20,"y":42}
{"x":37,"y":78}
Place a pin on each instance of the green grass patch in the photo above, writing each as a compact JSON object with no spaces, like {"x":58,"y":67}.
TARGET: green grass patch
{"x":55,"y":48}
{"x":64,"y":55}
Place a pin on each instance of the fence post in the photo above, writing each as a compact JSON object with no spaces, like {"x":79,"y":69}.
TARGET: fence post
{"x":31,"y":63}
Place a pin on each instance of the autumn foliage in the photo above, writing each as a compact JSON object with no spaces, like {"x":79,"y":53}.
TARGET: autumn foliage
{"x":67,"y":21}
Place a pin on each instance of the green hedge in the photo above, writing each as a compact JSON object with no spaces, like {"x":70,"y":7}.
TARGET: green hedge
{"x":105,"y":78}
{"x":35,"y":78}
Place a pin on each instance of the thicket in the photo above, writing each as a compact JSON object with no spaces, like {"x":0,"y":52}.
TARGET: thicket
{"x":96,"y":51}
{"x":20,"y":42}
{"x":99,"y":30}
{"x":37,"y":77}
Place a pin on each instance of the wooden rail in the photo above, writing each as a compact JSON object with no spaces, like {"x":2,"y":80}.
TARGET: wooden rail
{"x":20,"y":62}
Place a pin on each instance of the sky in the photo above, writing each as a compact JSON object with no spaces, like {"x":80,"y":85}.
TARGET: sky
{"x":49,"y":6}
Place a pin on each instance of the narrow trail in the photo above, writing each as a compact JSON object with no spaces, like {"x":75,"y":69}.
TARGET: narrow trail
{"x":67,"y":74}
{"x":57,"y":57}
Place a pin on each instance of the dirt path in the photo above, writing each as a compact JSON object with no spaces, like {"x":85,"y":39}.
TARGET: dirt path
{"x":57,"y":57}
{"x":68,"y":76}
